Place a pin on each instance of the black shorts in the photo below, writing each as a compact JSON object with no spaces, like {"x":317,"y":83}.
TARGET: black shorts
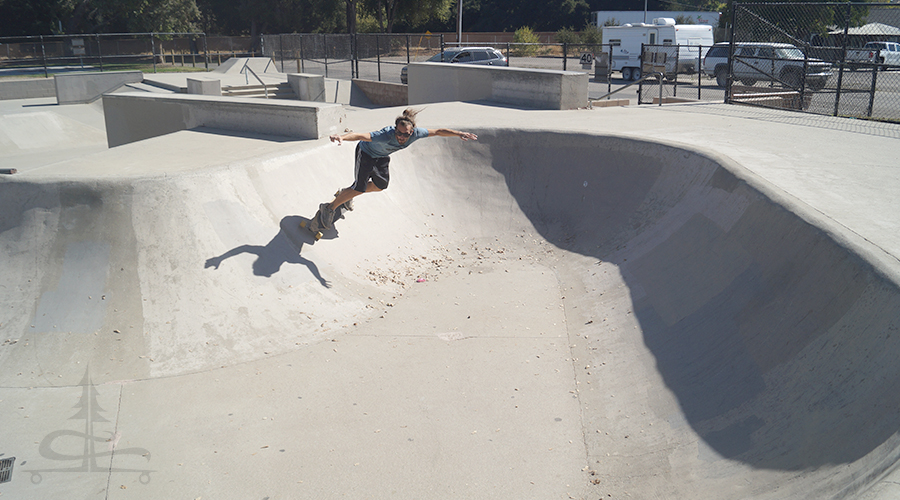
{"x":368,"y":168}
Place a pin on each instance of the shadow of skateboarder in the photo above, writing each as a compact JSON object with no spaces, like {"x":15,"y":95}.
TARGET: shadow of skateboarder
{"x":284,"y":248}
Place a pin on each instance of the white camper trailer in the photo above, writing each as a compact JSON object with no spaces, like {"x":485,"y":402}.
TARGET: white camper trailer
{"x":689,"y":44}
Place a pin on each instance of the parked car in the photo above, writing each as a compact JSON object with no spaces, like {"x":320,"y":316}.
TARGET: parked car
{"x":873,"y":54}
{"x":487,"y":56}
{"x":754,"y":62}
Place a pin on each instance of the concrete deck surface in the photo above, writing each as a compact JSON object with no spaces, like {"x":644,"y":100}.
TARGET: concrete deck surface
{"x":688,"y":301}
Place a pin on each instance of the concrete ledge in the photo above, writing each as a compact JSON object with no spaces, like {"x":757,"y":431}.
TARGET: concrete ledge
{"x":30,"y":88}
{"x":528,"y":88}
{"x":384,"y":93}
{"x":610,"y":103}
{"x":81,"y":88}
{"x":308,"y":87}
{"x":135,"y":116}
{"x":204,"y":86}
{"x":769,"y":97}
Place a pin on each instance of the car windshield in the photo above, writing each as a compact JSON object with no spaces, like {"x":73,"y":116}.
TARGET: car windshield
{"x":789,"y":53}
{"x":448,"y":56}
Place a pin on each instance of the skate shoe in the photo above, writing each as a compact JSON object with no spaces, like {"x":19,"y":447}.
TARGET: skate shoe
{"x":326,"y":215}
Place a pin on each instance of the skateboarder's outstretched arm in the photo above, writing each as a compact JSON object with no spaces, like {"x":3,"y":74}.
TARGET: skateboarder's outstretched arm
{"x":446,"y":132}
{"x":351,"y":136}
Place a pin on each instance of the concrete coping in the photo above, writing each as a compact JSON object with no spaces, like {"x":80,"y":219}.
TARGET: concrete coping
{"x":82,"y":88}
{"x":135,"y":116}
{"x":522,"y":87}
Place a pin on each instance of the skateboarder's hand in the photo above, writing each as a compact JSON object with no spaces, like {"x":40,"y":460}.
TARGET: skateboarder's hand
{"x":336,"y":137}
{"x":468,"y":136}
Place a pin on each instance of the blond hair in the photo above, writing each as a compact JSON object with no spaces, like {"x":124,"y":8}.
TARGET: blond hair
{"x":408,"y":117}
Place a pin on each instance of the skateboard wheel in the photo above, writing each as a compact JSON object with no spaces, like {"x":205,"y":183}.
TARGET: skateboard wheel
{"x":318,"y":236}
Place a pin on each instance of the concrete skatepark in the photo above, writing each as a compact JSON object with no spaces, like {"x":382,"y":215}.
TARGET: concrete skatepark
{"x":686,"y":301}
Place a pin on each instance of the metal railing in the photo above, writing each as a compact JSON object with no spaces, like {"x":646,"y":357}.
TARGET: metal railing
{"x":247,"y":69}
{"x":659,"y":76}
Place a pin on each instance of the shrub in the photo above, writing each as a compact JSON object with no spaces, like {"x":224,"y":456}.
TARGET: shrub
{"x":525,"y":35}
{"x":567,"y":35}
{"x":591,"y":35}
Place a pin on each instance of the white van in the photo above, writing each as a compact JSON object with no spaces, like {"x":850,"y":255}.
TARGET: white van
{"x":692,"y":42}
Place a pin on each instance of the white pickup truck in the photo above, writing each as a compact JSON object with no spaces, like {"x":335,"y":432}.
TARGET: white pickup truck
{"x":874,"y":54}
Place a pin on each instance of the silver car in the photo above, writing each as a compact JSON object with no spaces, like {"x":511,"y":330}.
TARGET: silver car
{"x":487,"y":56}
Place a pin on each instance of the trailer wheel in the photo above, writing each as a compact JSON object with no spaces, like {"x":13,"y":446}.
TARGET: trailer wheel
{"x":636,"y":73}
{"x":626,"y":73}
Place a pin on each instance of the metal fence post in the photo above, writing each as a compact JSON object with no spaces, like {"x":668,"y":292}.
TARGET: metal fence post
{"x":729,"y":81}
{"x":837,"y":96}
{"x":699,"y":69}
{"x":205,"y":53}
{"x":871,"y":93}
{"x":153,"y":52}
{"x":302,"y":59}
{"x":378,"y":54}
{"x":44,"y":58}
{"x":640,"y":89}
{"x":99,"y":52}
{"x":354,"y":61}
{"x":325,"y":52}
{"x":565,"y":54}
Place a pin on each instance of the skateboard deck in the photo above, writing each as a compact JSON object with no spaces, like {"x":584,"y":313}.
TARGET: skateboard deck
{"x":312,"y":225}
{"x":315,"y":227}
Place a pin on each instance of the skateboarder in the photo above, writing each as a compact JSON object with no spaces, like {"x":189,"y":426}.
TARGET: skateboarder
{"x":373,"y":156}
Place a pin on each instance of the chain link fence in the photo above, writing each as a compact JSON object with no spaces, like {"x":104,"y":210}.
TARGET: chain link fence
{"x":113,"y":51}
{"x":382,"y":57}
{"x":368,"y":56}
{"x":813,"y":57}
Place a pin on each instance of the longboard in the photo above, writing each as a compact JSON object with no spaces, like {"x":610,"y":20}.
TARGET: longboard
{"x":315,"y":228}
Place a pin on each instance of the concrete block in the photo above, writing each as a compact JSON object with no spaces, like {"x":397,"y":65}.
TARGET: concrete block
{"x":135,"y":116}
{"x":27,"y":89}
{"x":384,"y":93}
{"x":308,"y":87}
{"x":81,"y":88}
{"x":204,"y":86}
{"x":527,"y":88}
{"x":610,"y":103}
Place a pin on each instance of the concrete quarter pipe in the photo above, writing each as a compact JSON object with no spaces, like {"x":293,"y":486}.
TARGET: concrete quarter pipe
{"x":614,"y":318}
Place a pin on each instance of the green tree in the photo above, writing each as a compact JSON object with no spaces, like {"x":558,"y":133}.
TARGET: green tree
{"x":508,"y":15}
{"x":253,"y":17}
{"x":31,"y":17}
{"x":408,"y":13}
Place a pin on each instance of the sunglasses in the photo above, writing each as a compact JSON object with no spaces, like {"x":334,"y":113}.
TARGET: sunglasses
{"x":404,"y":135}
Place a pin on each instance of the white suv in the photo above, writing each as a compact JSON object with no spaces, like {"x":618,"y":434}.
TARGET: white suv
{"x":753,"y":62}
{"x":487,"y":56}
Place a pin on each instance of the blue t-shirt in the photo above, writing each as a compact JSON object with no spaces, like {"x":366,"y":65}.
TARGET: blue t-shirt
{"x":384,"y":141}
